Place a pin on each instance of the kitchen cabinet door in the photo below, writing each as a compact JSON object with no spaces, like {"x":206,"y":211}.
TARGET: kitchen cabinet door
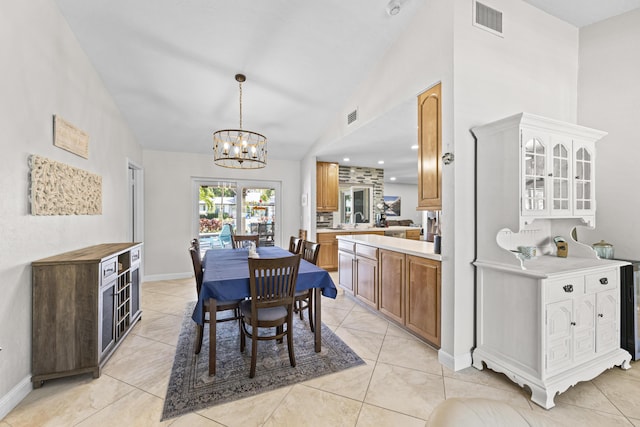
{"x":328,"y":255}
{"x":423,"y":294}
{"x":367,"y":280}
{"x":430,"y":149}
{"x":345,"y":270}
{"x":327,"y":187}
{"x":392,"y":274}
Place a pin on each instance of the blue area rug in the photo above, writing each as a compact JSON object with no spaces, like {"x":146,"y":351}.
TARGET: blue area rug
{"x":191,"y":388}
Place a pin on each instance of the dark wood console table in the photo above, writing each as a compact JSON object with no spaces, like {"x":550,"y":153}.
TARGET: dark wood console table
{"x":85,"y":302}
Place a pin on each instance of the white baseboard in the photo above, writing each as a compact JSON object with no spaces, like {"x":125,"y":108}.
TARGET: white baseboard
{"x":455,"y":363}
{"x":15,"y":396}
{"x":173,"y":276}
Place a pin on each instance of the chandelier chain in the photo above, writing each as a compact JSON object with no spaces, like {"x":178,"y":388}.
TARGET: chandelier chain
{"x":240,"y":86}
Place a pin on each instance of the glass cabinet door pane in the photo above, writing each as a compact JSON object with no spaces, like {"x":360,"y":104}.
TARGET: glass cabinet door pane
{"x":584,"y":180}
{"x":560,"y":178}
{"x":534,"y":196}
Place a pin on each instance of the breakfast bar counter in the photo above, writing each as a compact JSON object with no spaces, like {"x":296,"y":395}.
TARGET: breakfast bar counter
{"x":400,"y":278}
{"x":418,"y":248}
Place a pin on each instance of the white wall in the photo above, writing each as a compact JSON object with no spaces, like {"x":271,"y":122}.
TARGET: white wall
{"x":533,"y":68}
{"x":45,"y":72}
{"x":609,"y":100}
{"x":420,"y":58}
{"x":408,"y":201}
{"x":169,"y":205}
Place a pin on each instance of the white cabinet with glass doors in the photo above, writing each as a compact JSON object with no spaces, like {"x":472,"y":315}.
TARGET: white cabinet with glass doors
{"x":558,"y":175}
{"x":547,"y":322}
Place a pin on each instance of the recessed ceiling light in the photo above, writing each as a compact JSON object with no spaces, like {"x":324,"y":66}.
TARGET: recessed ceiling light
{"x":346,"y":159}
{"x":393,"y":178}
{"x":414,"y":147}
{"x":381,"y":162}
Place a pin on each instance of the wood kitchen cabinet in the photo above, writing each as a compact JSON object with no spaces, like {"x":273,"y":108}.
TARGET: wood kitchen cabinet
{"x":413,"y":234}
{"x":358,"y":273}
{"x":346,"y":260}
{"x":430,"y":149}
{"x":326,"y":187}
{"x":404,"y":288}
{"x":423,"y":294}
{"x":85,"y":302}
{"x":366,"y":274}
{"x":392,"y":278}
{"x":328,"y":255}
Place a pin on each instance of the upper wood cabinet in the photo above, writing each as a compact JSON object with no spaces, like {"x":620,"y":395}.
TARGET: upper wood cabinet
{"x":430,"y":149}
{"x":326,"y":187}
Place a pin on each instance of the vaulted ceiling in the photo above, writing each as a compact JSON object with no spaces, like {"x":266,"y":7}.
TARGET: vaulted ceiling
{"x":170,"y":65}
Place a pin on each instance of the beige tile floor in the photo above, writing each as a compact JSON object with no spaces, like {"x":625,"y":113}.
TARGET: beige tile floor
{"x":400,"y":384}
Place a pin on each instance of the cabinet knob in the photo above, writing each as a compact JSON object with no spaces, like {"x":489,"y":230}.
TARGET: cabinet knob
{"x":577,"y":177}
{"x":600,"y":315}
{"x":568,"y":288}
{"x":573,"y":323}
{"x":604,"y":281}
{"x":550,"y":174}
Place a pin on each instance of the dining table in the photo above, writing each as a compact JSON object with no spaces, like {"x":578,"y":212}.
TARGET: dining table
{"x":226,"y":278}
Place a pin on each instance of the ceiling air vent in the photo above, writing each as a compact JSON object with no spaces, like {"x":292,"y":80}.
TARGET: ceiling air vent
{"x":487,"y":18}
{"x":352,"y":117}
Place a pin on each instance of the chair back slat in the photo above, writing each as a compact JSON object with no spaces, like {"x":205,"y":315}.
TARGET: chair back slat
{"x":272,"y":281}
{"x":197,"y":267}
{"x":309,"y":251}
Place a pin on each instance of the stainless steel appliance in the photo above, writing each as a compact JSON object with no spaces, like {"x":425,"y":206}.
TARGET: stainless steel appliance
{"x":630,"y":308}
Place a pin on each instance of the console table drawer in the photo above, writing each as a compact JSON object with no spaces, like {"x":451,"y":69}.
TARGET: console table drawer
{"x":108,"y":268}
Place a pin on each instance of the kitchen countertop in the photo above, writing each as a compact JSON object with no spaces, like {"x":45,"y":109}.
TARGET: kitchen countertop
{"x":365,"y":229}
{"x":406,"y":246}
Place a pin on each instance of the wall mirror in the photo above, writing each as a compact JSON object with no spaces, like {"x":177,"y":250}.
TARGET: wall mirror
{"x":355,"y":204}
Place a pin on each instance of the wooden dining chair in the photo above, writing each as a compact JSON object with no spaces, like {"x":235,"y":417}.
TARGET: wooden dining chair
{"x":272,"y":283}
{"x":303,"y":299}
{"x":220,"y":306}
{"x":243,"y":240}
{"x":294,"y":244}
{"x":195,"y":243}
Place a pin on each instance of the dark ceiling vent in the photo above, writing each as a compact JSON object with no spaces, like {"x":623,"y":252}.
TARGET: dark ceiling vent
{"x":352,"y":116}
{"x":487,"y":18}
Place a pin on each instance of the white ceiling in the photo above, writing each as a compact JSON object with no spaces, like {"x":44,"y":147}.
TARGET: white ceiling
{"x":170,"y":66}
{"x":585,"y":12}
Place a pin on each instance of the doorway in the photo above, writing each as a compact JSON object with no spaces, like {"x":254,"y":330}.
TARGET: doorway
{"x":136,"y":197}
